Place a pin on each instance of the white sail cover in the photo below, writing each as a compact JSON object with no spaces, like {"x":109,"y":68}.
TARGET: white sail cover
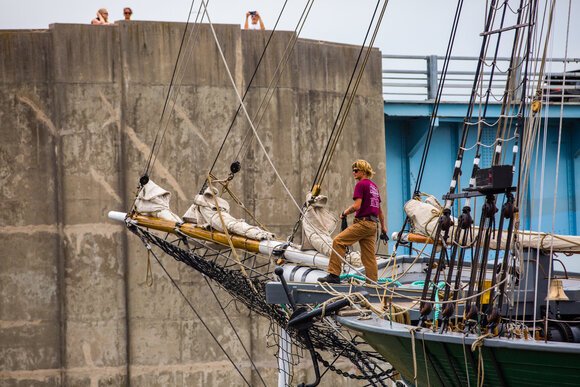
{"x":153,"y":200}
{"x":204,"y":212}
{"x":425,"y":215}
{"x":317,"y":225}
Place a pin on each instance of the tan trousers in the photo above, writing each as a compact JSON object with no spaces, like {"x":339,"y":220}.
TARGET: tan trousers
{"x":364,"y":232}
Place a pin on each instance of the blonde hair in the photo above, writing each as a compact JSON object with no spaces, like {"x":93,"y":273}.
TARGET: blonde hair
{"x":365,"y":167}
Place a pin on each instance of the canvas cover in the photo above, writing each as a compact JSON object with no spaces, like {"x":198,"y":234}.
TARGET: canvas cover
{"x":152,"y":200}
{"x":318,"y":224}
{"x":211,"y":211}
{"x":424,"y":216}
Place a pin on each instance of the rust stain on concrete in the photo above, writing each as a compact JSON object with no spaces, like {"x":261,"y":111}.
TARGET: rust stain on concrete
{"x":181,"y":113}
{"x":40,"y":115}
{"x":158,"y":167}
{"x":5,"y":324}
{"x":108,"y":189}
{"x":29,"y":229}
{"x":79,"y":231}
{"x":146,"y":151}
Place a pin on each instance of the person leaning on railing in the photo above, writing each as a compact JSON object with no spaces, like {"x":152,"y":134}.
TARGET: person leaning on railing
{"x":102,"y":17}
{"x":127,"y":13}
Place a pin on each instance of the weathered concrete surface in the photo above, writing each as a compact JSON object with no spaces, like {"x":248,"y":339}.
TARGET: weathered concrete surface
{"x":80,"y":107}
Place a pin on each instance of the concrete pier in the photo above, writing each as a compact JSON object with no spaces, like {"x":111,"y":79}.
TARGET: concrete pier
{"x":80,"y":107}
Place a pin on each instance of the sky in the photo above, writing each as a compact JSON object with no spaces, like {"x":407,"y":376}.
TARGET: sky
{"x":410,"y":27}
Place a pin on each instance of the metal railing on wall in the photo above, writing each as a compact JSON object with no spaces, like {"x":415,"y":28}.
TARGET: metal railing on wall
{"x":416,"y":77}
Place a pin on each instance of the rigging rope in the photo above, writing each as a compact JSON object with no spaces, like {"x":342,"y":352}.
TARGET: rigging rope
{"x":261,"y":110}
{"x":279,"y":178}
{"x":155,"y":147}
{"x":246,"y":111}
{"x":432,"y":120}
{"x":542,"y":172}
{"x":437,"y":101}
{"x":249,"y":85}
{"x":557,"y":161}
{"x":195,"y":311}
{"x":233,"y":329}
{"x":331,"y":140}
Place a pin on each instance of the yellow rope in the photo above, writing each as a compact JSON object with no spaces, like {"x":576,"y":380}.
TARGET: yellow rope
{"x":425,"y":358}
{"x":235,"y":198}
{"x":149,"y":271}
{"x":465,"y":360}
{"x":225,"y":229}
{"x":412,"y":331}
{"x":477,"y":345}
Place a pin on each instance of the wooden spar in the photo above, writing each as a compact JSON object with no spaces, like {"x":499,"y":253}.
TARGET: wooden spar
{"x":417,"y":238}
{"x":193,"y":231}
{"x":528,"y":239}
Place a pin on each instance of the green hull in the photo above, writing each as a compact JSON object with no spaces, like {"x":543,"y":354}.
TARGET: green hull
{"x":447,"y":360}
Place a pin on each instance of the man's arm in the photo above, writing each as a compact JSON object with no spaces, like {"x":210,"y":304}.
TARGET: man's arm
{"x":354,"y":208}
{"x":261,"y":23}
{"x":382,"y":220}
{"x":246,"y":23}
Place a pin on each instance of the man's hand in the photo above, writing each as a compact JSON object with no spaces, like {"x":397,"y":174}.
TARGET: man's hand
{"x":344,"y":223}
{"x":384,"y":237}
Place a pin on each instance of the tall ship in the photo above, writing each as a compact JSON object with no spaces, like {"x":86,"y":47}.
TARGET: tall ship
{"x":468,"y":295}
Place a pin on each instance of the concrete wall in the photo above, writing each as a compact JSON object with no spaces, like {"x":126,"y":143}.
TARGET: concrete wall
{"x":79,"y":110}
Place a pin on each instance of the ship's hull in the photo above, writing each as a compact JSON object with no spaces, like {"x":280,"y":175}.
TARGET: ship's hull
{"x":426,"y":358}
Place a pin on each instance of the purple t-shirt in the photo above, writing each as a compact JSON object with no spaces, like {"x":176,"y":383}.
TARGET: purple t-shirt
{"x":368,"y":191}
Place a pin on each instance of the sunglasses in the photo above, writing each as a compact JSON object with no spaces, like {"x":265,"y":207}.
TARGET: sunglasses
{"x":355,"y":170}
{"x":127,"y":13}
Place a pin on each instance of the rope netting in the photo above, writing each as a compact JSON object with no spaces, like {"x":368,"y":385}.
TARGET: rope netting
{"x":248,"y":286}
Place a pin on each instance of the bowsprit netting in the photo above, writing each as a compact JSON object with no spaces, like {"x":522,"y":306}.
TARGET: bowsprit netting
{"x":244,"y":278}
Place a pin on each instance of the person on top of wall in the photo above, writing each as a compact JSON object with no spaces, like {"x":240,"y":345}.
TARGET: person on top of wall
{"x":102,"y":17}
{"x":368,"y":212}
{"x":256,"y":18}
{"x":127,"y":12}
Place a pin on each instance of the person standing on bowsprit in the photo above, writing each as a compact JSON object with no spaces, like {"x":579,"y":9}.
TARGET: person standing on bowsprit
{"x":368,"y":212}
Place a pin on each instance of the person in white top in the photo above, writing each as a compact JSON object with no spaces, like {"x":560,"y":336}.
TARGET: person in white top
{"x":255,"y":19}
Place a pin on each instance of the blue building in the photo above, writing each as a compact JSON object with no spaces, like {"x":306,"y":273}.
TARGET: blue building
{"x":409,"y":103}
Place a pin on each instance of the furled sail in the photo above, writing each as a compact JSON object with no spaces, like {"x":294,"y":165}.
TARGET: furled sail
{"x":424,"y":216}
{"x":211,"y":211}
{"x":152,"y":200}
{"x":317,"y":225}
